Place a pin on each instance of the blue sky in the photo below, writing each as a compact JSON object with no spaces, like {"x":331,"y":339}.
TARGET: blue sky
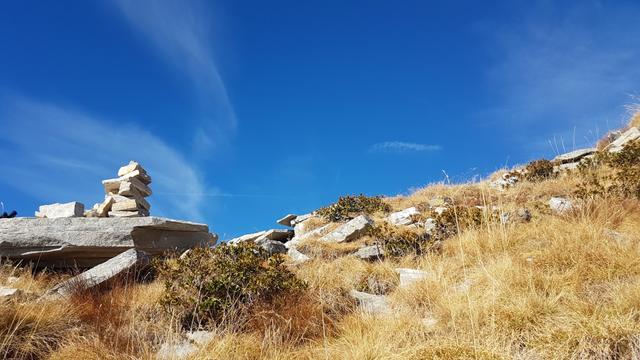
{"x":244,"y":111}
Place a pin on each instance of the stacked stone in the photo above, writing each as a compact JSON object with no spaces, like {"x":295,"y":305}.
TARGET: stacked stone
{"x":125,"y":195}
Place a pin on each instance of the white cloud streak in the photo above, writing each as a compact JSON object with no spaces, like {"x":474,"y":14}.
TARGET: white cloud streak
{"x":180,"y":31}
{"x":402,"y":147}
{"x":58,"y":154}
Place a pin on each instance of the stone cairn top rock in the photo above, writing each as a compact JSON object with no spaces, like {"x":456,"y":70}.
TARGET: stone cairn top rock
{"x":125,"y":195}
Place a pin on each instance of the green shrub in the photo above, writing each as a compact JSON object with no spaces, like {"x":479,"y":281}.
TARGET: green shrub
{"x":539,"y":170}
{"x":612,"y":174}
{"x":401,"y":241}
{"x":348,"y":207}
{"x":211,"y":285}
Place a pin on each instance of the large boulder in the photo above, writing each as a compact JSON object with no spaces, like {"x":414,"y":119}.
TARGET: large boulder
{"x":349,"y":231}
{"x":86,"y":242}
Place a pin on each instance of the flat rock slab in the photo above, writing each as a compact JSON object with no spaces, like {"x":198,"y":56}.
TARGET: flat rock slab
{"x":286,"y":220}
{"x":575,"y":155}
{"x":116,"y":266}
{"x":86,"y":242}
{"x":349,"y":231}
{"x":560,"y":205}
{"x":373,"y":252}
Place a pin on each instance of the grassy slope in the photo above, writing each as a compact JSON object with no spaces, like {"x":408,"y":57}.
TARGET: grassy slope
{"x":556,"y":287}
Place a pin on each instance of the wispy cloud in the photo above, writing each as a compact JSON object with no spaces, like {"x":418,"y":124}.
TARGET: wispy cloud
{"x":181,"y":31}
{"x":402,"y":147}
{"x":562,"y":65}
{"x":59,"y":154}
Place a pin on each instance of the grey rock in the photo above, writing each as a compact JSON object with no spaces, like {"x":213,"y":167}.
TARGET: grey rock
{"x":116,"y":266}
{"x":574,"y":156}
{"x":86,"y":242}
{"x":626,"y":137}
{"x":272,"y":246}
{"x":430,"y":225}
{"x":560,"y":205}
{"x":373,"y":252}
{"x":404,"y":217}
{"x":505,"y":217}
{"x":349,"y":231}
{"x":372,"y":304}
{"x":410,"y":276}
{"x":176,"y":350}
{"x":66,"y":210}
{"x":276,"y":234}
{"x":200,"y":337}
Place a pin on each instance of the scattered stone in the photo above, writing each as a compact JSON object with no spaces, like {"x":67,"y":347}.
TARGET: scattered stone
{"x":440,"y":210}
{"x":9,"y":293}
{"x":176,"y":350}
{"x":560,"y":205}
{"x":524,"y":214}
{"x":272,"y":246}
{"x":53,"y":211}
{"x":429,"y":322}
{"x":404,"y":217}
{"x":505,"y":217}
{"x":297,"y":256}
{"x":440,"y":201}
{"x":349,"y":231}
{"x":373,"y":252}
{"x":626,"y":137}
{"x":119,"y":265}
{"x":372,"y":304}
{"x":430,"y":225}
{"x":286,"y":221}
{"x":410,"y":276}
{"x":200,"y":337}
{"x":86,"y":242}
{"x":618,"y":237}
{"x":507,"y":180}
{"x":574,"y":156}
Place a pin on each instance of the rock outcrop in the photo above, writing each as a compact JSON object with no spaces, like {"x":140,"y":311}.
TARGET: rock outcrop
{"x":86,"y":242}
{"x":626,"y":137}
{"x":350,"y":230}
{"x":404,"y":217}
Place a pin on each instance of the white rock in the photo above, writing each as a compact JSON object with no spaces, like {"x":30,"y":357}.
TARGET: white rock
{"x":137,"y":174}
{"x":404,"y":217}
{"x":286,"y":220}
{"x":53,"y":211}
{"x":247,"y":237}
{"x":626,"y":137}
{"x":430,"y":224}
{"x":299,"y":238}
{"x":440,"y":210}
{"x":410,"y":276}
{"x":132,"y":166}
{"x":200,"y":337}
{"x":126,"y":186}
{"x":349,"y":231}
{"x":8,"y":293}
{"x":297,"y":256}
{"x":372,"y":304}
{"x":560,"y":205}
{"x":98,"y":274}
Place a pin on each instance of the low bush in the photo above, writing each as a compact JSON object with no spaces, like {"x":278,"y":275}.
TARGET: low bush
{"x":401,"y":241}
{"x":348,"y":207}
{"x":539,"y":170}
{"x":214,"y":285}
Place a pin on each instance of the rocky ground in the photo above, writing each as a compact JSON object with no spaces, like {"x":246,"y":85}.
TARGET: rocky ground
{"x":536,"y":262}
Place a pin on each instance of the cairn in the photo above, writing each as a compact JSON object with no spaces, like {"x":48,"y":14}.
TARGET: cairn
{"x":125,"y":195}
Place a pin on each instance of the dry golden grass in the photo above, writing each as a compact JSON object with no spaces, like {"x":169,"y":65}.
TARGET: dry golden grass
{"x":557,"y":287}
